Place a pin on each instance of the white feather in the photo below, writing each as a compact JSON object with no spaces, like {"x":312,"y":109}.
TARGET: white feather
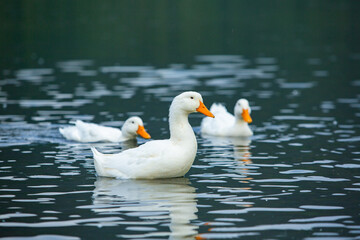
{"x":225,"y":124}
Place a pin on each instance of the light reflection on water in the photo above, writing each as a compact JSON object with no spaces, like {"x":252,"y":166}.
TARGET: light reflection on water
{"x":299,"y":172}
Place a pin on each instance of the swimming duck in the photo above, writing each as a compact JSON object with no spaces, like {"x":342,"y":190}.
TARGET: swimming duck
{"x":91,"y":132}
{"x":159,"y":158}
{"x":227,"y":125}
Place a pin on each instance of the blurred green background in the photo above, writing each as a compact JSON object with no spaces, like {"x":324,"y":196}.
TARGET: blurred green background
{"x":160,"y":32}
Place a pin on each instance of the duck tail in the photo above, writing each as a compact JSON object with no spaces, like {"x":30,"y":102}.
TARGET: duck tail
{"x":97,"y":161}
{"x":65,"y":133}
{"x":95,"y":152}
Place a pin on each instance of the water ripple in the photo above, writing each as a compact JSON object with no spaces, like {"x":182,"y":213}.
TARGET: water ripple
{"x":317,"y":207}
{"x":308,"y":178}
{"x":289,"y":226}
{"x":67,"y":223}
{"x":320,"y":219}
{"x":255,"y":209}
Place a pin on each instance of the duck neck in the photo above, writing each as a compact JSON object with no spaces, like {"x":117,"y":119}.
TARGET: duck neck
{"x":125,"y":134}
{"x":180,"y":128}
{"x":239,"y":120}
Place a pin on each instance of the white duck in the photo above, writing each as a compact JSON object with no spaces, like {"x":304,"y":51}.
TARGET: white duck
{"x":227,"y":125}
{"x":91,"y":132}
{"x":161,"y":158}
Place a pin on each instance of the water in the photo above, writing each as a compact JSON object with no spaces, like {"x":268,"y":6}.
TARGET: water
{"x":298,"y":177}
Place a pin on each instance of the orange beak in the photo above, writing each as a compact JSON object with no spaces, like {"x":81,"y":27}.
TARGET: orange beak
{"x":246,"y":116}
{"x":142,"y":132}
{"x":202,"y":109}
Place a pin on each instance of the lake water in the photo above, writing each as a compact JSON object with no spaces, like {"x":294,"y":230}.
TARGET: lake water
{"x":298,"y":64}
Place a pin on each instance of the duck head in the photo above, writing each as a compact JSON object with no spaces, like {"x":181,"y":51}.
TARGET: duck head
{"x":242,"y":110}
{"x":134,"y":126}
{"x":191,"y":102}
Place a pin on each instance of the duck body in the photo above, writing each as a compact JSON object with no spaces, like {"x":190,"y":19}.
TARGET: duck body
{"x":152,"y":160}
{"x":159,"y":158}
{"x":227,"y":125}
{"x":91,"y":132}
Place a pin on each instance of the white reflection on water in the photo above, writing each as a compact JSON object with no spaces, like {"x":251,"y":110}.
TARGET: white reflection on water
{"x":241,"y":153}
{"x":158,"y":200}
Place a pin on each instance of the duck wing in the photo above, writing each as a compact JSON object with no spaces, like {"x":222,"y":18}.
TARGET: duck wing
{"x":145,"y":161}
{"x":91,"y":132}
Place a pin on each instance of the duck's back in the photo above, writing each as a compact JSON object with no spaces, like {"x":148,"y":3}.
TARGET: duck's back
{"x":220,"y":124}
{"x":90,"y":132}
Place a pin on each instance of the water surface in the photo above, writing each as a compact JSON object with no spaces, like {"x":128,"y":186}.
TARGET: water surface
{"x":298,"y":177}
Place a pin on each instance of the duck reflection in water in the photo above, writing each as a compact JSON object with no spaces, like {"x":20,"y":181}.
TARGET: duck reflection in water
{"x":174,"y":198}
{"x":240,"y":147}
{"x":131,"y":143}
{"x":115,"y":147}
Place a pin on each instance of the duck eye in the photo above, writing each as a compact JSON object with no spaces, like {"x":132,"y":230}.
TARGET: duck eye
{"x":132,"y":122}
{"x":192,"y":97}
